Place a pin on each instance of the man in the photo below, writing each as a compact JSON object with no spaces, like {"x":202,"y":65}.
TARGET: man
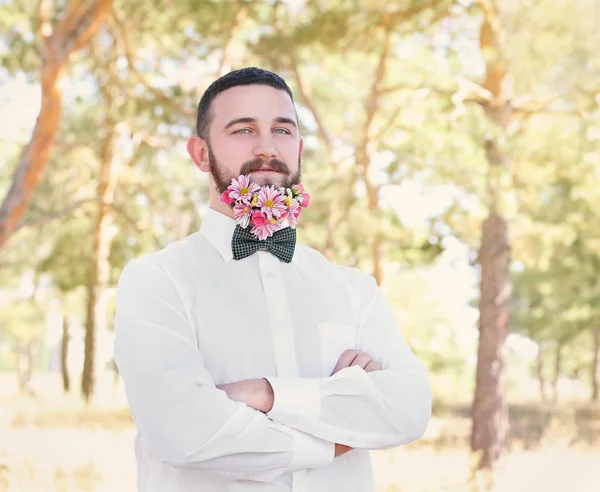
{"x":259,"y":374}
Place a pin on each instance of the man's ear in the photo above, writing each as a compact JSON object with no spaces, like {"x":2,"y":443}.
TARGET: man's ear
{"x":199,"y":152}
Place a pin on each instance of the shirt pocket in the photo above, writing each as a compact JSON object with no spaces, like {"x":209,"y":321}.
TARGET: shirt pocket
{"x":335,"y":339}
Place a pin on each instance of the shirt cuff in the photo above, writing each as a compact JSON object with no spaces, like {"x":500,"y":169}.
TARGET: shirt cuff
{"x":310,"y":452}
{"x":295,"y":399}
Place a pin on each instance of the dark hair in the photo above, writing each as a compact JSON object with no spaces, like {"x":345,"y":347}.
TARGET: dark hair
{"x":243,"y":76}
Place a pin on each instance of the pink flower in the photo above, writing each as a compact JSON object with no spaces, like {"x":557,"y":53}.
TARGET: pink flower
{"x":226,"y":198}
{"x":293,"y":214}
{"x":259,"y":219}
{"x":266,"y":230}
{"x":242,"y":212}
{"x":270,"y":202}
{"x":242,"y":188}
{"x":305,"y":200}
{"x":298,"y":188}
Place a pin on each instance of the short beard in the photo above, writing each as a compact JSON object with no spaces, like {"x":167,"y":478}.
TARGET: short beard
{"x":223,"y":180}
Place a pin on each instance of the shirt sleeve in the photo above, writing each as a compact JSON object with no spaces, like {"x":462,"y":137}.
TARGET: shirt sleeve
{"x":376,"y":410}
{"x":183,"y":418}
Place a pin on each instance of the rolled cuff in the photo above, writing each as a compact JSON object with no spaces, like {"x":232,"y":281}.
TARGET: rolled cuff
{"x":310,"y":452}
{"x":295,"y":400}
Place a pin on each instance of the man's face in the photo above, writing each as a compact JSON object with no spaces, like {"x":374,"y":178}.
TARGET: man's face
{"x":254,"y":131}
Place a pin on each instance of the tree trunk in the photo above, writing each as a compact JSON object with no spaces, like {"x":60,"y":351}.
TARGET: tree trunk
{"x":364,"y":151}
{"x":103,"y":236}
{"x":70,"y":34}
{"x":25,"y":362}
{"x":595,"y":369}
{"x":540,"y":374}
{"x":64,"y":355}
{"x":490,"y":409}
{"x":334,"y":212}
{"x":557,"y":371}
{"x":89,"y":359}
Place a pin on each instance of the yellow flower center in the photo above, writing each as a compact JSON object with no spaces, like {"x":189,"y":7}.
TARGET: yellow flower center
{"x":254,"y":200}
{"x":269,"y":203}
{"x":243,"y":190}
{"x":288,"y":201}
{"x":272,"y":221}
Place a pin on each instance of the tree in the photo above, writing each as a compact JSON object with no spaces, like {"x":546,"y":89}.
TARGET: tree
{"x":58,"y":42}
{"x":490,"y":410}
{"x":361,"y":87}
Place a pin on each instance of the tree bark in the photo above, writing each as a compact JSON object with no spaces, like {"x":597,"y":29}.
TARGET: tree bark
{"x":70,"y":34}
{"x":64,"y":355}
{"x":103,"y":236}
{"x":363,"y":155}
{"x":595,"y":369}
{"x":25,"y":364}
{"x":557,"y":371}
{"x":539,"y":366}
{"x":333,"y":215}
{"x":490,"y":409}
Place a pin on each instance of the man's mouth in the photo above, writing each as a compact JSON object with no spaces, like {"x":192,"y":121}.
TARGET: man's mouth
{"x":266,"y":170}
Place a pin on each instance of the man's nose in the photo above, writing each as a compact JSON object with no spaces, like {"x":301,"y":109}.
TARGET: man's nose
{"x":264,"y":146}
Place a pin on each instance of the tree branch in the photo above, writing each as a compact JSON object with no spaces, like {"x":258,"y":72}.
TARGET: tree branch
{"x":404,"y":15}
{"x":77,"y":28}
{"x":57,"y":214}
{"x":538,"y":107}
{"x":467,"y":91}
{"x":74,"y":12}
{"x":241,"y":15}
{"x":304,"y":94}
{"x":392,"y":123}
{"x":160,"y":95}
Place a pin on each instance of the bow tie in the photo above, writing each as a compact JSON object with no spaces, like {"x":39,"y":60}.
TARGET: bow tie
{"x":282,"y":243}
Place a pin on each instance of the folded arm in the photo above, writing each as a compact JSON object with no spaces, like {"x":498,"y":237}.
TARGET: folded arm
{"x":373,"y":410}
{"x":185,"y":420}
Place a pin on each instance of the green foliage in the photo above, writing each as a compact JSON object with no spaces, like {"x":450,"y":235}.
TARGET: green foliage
{"x":143,"y":75}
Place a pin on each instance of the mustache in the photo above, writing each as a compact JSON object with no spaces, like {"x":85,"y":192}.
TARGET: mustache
{"x":257,"y":164}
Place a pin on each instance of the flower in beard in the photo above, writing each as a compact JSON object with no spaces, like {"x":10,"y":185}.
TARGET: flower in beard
{"x":265,"y":208}
{"x":271,"y":202}
{"x":265,"y":228}
{"x":242,"y":213}
{"x":293,"y":213}
{"x":226,"y":198}
{"x":301,"y":195}
{"x":242,"y":188}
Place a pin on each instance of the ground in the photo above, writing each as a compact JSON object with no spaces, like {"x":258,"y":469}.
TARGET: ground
{"x":52,"y":442}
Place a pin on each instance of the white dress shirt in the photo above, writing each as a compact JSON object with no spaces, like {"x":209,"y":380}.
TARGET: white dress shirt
{"x":190,"y":317}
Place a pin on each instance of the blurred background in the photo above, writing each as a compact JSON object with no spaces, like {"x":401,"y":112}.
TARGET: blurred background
{"x":452,"y":151}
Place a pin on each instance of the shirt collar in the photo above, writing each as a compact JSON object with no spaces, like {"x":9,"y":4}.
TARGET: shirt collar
{"x":218,"y":229}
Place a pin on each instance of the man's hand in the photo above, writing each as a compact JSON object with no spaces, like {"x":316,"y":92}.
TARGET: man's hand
{"x":340,"y":449}
{"x":350,"y":358}
{"x":353,"y":357}
{"x":256,"y":393}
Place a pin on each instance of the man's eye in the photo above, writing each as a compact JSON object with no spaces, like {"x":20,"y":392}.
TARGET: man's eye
{"x":243,"y":131}
{"x":281,"y":130}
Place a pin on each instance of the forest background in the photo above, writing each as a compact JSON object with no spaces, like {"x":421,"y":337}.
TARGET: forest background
{"x":452,"y":152}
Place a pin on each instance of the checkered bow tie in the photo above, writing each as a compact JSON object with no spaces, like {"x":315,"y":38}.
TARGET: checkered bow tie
{"x":282,"y":243}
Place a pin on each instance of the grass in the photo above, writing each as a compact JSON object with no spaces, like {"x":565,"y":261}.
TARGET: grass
{"x":53,"y":442}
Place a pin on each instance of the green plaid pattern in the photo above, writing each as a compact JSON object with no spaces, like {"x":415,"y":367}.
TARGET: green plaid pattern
{"x":282,"y":243}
